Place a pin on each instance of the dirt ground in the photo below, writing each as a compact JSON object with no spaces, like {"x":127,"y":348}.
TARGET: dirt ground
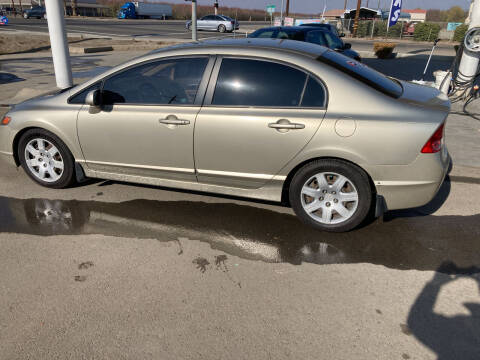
{"x":26,"y":43}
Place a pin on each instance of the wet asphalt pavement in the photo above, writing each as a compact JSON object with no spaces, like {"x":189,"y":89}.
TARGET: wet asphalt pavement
{"x":409,"y":239}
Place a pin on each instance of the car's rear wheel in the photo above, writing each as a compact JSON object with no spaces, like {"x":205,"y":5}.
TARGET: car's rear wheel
{"x":46,"y":159}
{"x":331,"y":195}
{"x":222,"y":28}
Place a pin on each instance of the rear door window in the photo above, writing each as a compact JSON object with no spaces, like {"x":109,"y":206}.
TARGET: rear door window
{"x":362,"y":73}
{"x":256,"y":83}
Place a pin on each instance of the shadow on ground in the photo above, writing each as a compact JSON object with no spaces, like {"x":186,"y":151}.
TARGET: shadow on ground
{"x":449,"y":337}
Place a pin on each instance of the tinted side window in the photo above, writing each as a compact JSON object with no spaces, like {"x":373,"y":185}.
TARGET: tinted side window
{"x":157,"y":83}
{"x":263,"y":34}
{"x":316,"y":37}
{"x":333,"y":41}
{"x":292,"y":35}
{"x":80,"y":97}
{"x":243,"y":82}
{"x":314,"y":95}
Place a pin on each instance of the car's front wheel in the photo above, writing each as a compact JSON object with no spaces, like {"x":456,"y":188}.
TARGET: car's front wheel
{"x":45,"y":16}
{"x":331,"y":195}
{"x":46,"y":159}
{"x":222,"y":28}
{"x":25,"y":15}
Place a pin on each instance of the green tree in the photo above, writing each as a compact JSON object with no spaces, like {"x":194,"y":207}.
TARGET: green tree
{"x":456,"y":14}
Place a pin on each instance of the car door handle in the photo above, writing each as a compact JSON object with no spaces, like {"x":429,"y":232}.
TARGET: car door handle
{"x":173,"y":120}
{"x":284,"y":124}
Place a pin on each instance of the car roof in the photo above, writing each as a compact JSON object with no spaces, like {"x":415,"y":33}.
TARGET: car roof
{"x":297,"y":28}
{"x":285,"y":45}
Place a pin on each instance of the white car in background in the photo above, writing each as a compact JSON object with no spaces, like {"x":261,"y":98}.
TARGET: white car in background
{"x":220,"y":23}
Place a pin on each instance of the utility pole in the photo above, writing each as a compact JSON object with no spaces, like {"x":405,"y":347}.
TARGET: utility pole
{"x":281,"y":15}
{"x":288,"y":8}
{"x":216,"y":7}
{"x":345,"y":5}
{"x":357,"y":17}
{"x":368,"y":2}
{"x":194,"y":20}
{"x":58,"y":43}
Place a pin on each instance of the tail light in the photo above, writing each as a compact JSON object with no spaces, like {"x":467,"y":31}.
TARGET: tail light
{"x":435,"y":143}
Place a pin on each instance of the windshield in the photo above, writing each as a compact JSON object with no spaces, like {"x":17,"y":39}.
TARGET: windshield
{"x":362,"y":73}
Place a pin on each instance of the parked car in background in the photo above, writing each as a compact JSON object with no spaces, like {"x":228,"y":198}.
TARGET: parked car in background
{"x":220,"y":23}
{"x":277,"y":120}
{"x":35,"y":12}
{"x":315,"y":35}
{"x":328,"y":27}
{"x":3,"y":18}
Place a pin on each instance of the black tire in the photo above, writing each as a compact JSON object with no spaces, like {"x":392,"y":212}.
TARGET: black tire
{"x":222,"y":28}
{"x":68,"y":176}
{"x":353,"y":173}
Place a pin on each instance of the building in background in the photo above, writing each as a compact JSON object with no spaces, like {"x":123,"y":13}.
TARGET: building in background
{"x":335,"y":14}
{"x":417,"y":15}
{"x":84,"y":7}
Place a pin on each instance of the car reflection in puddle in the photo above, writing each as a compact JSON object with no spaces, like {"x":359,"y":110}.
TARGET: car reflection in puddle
{"x":401,"y":241}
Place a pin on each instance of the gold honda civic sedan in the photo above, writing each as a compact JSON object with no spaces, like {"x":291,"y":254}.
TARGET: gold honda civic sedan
{"x":267,"y":119}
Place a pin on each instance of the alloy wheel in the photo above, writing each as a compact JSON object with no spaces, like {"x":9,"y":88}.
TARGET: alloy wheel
{"x":329,"y":198}
{"x":44,"y":160}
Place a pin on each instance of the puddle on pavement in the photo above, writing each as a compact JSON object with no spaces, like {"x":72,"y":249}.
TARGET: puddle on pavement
{"x":6,"y":78}
{"x":402,"y":241}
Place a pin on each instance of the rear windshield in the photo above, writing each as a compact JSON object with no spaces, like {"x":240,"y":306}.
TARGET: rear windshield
{"x":362,"y":73}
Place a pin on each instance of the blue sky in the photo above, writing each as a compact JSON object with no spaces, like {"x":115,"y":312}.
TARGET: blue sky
{"x":316,"y":6}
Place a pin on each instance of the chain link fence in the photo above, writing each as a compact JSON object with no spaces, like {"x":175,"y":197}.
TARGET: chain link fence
{"x":377,"y":29}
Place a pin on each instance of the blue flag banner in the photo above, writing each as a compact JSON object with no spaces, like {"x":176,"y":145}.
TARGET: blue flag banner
{"x":395,"y":11}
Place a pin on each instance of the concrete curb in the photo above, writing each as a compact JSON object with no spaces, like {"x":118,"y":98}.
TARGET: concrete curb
{"x":87,"y":50}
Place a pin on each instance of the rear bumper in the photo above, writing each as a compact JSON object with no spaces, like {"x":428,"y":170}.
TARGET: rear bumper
{"x":413,"y":185}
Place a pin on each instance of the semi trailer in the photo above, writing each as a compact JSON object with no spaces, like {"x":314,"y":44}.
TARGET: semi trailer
{"x":142,"y":10}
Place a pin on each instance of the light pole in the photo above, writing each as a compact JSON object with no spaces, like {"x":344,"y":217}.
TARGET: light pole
{"x":194,"y":20}
{"x":345,"y":5}
{"x":287,"y":10}
{"x":58,"y":43}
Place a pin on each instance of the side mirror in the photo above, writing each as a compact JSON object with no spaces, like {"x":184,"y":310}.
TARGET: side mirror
{"x":347,"y":46}
{"x":93,"y":98}
{"x":342,"y":35}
